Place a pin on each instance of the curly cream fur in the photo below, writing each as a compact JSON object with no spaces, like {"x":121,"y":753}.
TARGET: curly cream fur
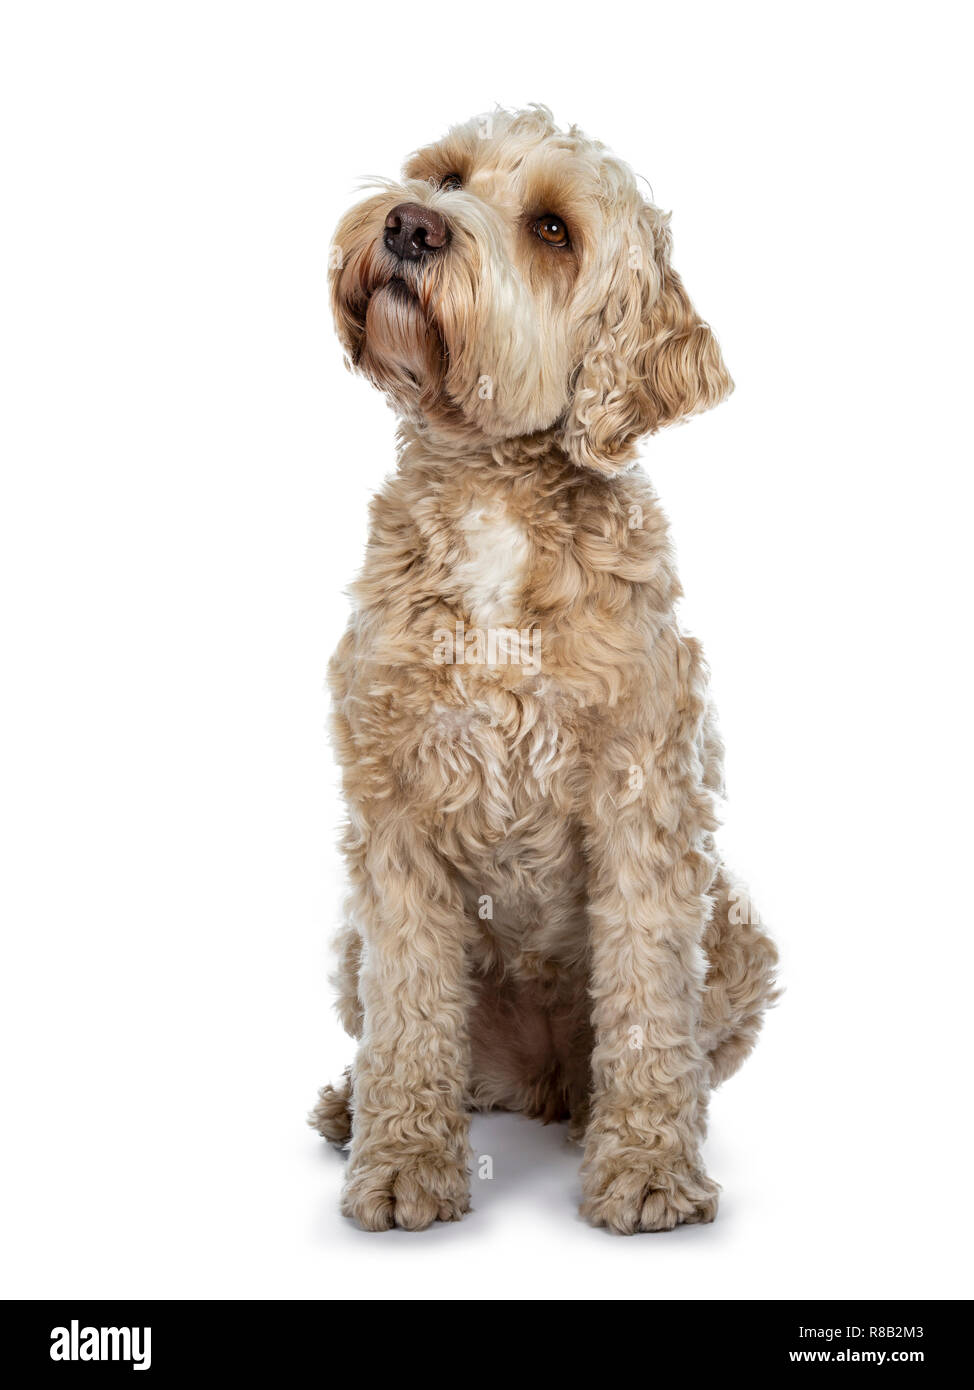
{"x":538,"y":919}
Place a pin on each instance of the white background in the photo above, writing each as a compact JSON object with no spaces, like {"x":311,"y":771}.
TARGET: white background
{"x":186,"y":468}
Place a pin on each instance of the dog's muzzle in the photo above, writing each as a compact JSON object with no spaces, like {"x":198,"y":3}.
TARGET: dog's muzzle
{"x":412,"y":232}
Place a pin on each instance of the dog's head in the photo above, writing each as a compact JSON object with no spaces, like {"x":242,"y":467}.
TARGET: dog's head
{"x":516,"y":281}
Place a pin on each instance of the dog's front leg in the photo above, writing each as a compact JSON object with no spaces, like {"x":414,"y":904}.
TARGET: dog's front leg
{"x":651,"y":867}
{"x":408,"y":1162}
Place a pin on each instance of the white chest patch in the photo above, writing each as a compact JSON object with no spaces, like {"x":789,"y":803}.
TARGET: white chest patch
{"x":493,"y":573}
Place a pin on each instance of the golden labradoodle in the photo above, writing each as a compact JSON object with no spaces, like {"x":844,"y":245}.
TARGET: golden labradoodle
{"x":539,"y":920}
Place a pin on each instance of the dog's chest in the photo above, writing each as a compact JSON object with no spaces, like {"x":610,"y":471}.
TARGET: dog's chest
{"x":493,"y":567}
{"x":503,"y":714}
{"x":510,"y":824}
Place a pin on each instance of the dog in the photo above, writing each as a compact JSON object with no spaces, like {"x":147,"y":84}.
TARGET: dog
{"x":539,"y":920}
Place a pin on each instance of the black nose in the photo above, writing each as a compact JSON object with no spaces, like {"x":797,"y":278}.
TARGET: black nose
{"x":413,"y":232}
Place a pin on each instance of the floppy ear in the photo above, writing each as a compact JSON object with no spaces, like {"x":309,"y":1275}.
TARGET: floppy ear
{"x":654,"y":360}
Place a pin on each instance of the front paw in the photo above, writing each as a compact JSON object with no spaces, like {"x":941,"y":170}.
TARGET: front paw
{"x":627,"y":1196}
{"x":411,"y":1193}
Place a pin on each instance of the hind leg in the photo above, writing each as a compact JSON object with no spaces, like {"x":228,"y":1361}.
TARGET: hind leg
{"x":332,"y":1116}
{"x":740,"y":982}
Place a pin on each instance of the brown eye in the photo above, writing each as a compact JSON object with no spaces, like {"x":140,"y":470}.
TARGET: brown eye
{"x":552,"y":230}
{"x":449,"y":182}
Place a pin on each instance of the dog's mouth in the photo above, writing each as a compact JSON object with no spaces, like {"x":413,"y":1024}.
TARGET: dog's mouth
{"x":402,"y":294}
{"x":396,"y":322}
{"x":399,"y":288}
{"x":397,"y":341}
